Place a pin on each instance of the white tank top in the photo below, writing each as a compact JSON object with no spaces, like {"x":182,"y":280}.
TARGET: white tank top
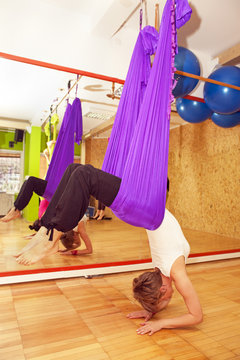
{"x":167,"y":243}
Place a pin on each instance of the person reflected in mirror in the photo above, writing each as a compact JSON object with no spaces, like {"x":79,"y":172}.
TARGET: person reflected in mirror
{"x":67,"y":206}
{"x":71,"y":240}
{"x":153,"y":289}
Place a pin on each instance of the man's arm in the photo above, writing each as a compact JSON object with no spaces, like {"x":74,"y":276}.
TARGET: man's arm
{"x":185,"y":287}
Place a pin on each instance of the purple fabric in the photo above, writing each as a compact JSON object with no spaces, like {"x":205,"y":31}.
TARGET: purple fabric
{"x":142,"y":195}
{"x":183,"y":12}
{"x":131,"y":99}
{"x":63,"y":154}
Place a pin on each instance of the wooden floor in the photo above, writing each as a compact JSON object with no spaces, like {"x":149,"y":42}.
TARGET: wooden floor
{"x":112,"y":241}
{"x":85,"y":319}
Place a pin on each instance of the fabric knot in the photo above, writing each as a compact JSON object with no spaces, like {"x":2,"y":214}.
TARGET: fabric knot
{"x":50,"y":229}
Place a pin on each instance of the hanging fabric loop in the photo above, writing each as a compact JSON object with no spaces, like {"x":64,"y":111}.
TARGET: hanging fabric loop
{"x":50,"y":124}
{"x":51,"y":233}
{"x":141,"y":16}
{"x":69,"y":87}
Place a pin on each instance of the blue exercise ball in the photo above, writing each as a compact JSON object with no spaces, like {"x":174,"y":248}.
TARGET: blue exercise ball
{"x":185,"y":60}
{"x":222,"y":99}
{"x":226,"y":120}
{"x":193,"y":111}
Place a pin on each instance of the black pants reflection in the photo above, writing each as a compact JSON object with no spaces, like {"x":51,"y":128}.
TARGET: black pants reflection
{"x":101,"y":206}
{"x":70,"y":201}
{"x":31,"y":185}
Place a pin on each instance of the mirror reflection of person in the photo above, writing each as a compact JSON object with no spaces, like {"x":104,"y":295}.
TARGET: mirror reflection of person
{"x":71,"y":240}
{"x":67,"y":206}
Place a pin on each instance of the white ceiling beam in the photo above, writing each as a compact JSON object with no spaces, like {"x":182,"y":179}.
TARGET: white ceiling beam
{"x":11,"y":123}
{"x":106,"y":125}
{"x":176,"y":120}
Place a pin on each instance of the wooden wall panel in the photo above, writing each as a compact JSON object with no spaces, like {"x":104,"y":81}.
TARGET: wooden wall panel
{"x":95,"y":151}
{"x":204,"y":172}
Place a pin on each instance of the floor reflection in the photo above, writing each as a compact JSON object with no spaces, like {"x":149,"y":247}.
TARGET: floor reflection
{"x":113,"y":241}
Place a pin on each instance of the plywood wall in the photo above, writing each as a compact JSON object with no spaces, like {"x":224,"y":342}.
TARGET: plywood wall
{"x":95,"y":151}
{"x":204,"y":172}
{"x":44,"y":166}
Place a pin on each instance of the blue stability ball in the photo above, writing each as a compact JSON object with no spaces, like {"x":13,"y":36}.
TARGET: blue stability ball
{"x":193,"y":111}
{"x":185,"y":60}
{"x":226,"y":121}
{"x":222,"y":99}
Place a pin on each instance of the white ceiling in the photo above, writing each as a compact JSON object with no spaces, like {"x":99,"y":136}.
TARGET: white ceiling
{"x":78,"y":34}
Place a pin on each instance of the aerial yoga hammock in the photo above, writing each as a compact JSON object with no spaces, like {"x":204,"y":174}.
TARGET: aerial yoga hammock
{"x":138,"y":148}
{"x":63,"y":154}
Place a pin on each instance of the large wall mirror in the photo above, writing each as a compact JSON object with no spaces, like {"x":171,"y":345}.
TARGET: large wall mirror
{"x":204,"y":175}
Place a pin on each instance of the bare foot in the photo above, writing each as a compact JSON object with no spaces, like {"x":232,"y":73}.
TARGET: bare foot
{"x":96,"y":215}
{"x":41,"y":250}
{"x":101,"y":215}
{"x":12,"y":214}
{"x":34,"y":241}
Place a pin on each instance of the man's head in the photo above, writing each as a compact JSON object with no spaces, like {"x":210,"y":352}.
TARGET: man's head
{"x":70,"y":240}
{"x":147,"y":289}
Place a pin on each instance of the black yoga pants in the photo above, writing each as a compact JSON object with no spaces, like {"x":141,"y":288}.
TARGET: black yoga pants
{"x":71,"y":199}
{"x":31,"y":185}
{"x":101,"y":206}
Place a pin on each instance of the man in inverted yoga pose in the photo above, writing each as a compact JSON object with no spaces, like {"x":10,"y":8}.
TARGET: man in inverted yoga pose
{"x":169,"y":248}
{"x":153,"y":289}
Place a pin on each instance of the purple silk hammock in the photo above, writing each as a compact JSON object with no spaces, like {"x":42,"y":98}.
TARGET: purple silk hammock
{"x":63,"y":154}
{"x":138,"y":147}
